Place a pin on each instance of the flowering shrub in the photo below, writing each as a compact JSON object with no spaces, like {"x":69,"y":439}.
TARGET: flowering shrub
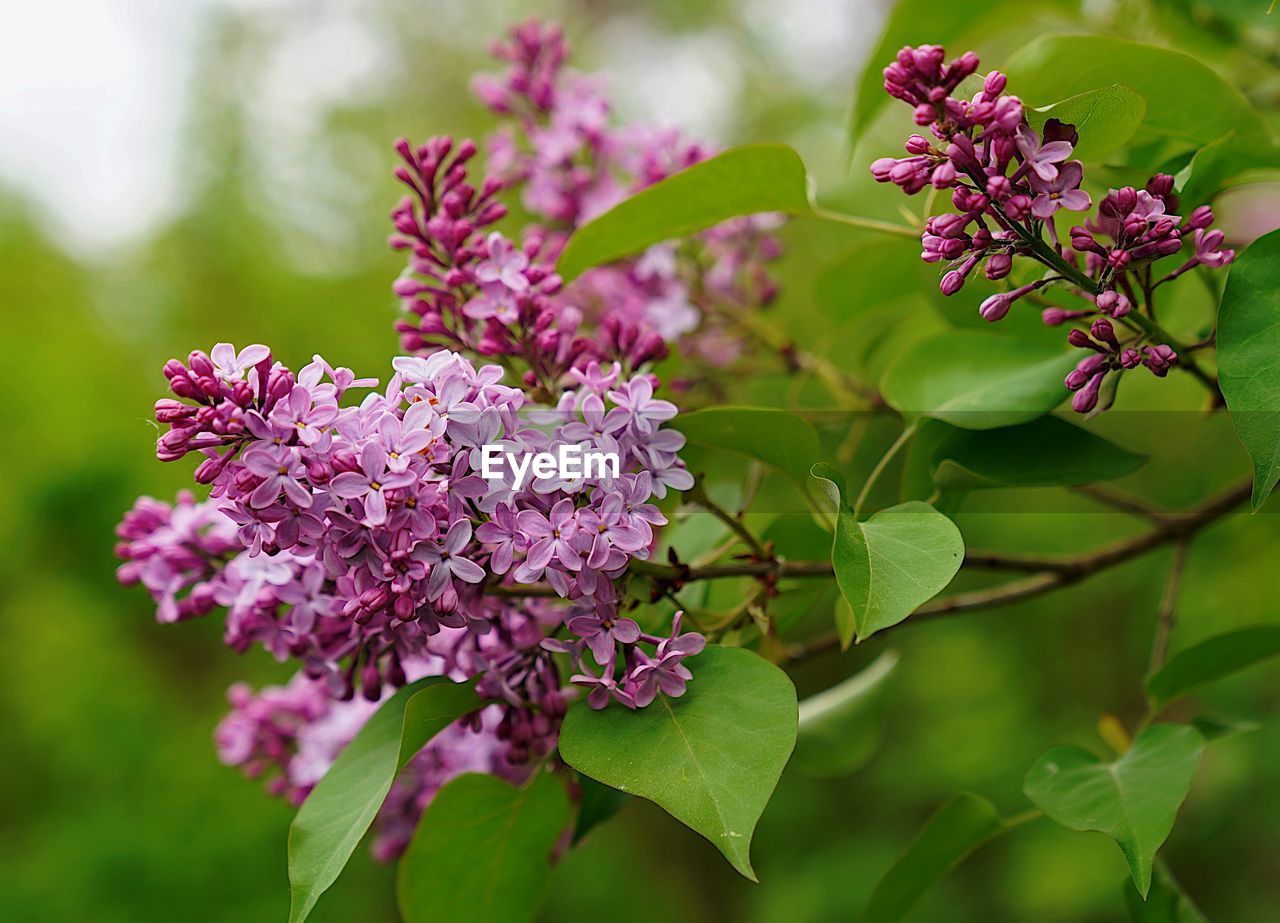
{"x":492,"y":659}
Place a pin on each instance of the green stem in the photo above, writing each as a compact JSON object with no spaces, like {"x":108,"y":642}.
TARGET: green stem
{"x":1051,"y":258}
{"x":866,"y":224}
{"x":903,"y":438}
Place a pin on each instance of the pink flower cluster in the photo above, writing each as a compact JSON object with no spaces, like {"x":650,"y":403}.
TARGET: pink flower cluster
{"x":364,"y":541}
{"x":464,"y":289}
{"x":1008,"y":183}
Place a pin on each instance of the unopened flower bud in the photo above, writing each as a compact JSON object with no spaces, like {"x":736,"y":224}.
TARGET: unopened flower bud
{"x":1018,"y":207}
{"x":999,"y":265}
{"x":1102,"y":330}
{"x":1201,"y":218}
{"x":1080,"y":340}
{"x":1160,"y":185}
{"x":952,"y":282}
{"x":1087,"y":397}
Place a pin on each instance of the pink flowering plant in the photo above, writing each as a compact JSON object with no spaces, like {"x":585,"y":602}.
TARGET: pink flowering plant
{"x":494,"y":654}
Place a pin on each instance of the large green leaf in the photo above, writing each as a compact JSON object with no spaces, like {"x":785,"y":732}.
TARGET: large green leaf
{"x":1049,"y":452}
{"x":978,"y":380}
{"x":1186,"y":101}
{"x":873,"y":272}
{"x":890,"y":564}
{"x":482,"y":851}
{"x":1249,"y":357}
{"x":841,"y":727}
{"x":1134,"y":800}
{"x":740,"y":181}
{"x":1167,"y":902}
{"x":1212,"y":660}
{"x":957,"y":829}
{"x":775,"y":437}
{"x":711,"y":758}
{"x":336,"y":814}
{"x":1105,"y":118}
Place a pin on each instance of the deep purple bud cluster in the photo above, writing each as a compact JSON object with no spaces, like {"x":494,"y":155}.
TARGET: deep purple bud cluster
{"x":1008,"y":182}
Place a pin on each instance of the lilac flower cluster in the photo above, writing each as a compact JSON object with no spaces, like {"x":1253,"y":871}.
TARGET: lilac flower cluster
{"x":1008,"y":183}
{"x":367,"y":539}
{"x":623,"y":670}
{"x":467,"y":290}
{"x":371,"y":524}
{"x":364,"y":541}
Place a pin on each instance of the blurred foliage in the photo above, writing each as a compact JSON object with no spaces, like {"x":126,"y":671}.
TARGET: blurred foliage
{"x":112,"y":803}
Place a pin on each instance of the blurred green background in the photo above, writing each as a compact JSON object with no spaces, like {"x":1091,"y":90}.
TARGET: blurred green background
{"x":113,"y":806}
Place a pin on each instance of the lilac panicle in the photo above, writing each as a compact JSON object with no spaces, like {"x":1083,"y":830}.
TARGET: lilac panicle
{"x":1008,"y":185}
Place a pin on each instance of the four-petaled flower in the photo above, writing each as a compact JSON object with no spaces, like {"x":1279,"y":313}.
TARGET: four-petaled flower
{"x":1063,"y":191}
{"x":368,"y":485}
{"x":446,"y":559}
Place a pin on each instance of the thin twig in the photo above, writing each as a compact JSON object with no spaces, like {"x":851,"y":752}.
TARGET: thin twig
{"x":1166,"y":615}
{"x":1178,"y":527}
{"x":1045,"y":573}
{"x":1122,"y":502}
{"x":903,"y":438}
{"x":699,"y":496}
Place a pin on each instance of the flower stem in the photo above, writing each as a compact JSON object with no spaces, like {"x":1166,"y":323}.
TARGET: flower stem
{"x":866,"y":224}
{"x":903,"y":438}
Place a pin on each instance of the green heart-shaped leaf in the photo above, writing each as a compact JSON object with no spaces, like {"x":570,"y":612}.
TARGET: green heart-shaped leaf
{"x":978,"y":380}
{"x":1212,"y":659}
{"x":711,"y":758}
{"x":482,"y":851}
{"x":889,"y":565}
{"x":1105,"y":118}
{"x":339,"y":810}
{"x":1248,"y":343}
{"x":743,"y":180}
{"x":1134,"y":799}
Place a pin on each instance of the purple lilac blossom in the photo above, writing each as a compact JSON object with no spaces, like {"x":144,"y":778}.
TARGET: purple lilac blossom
{"x":558,"y":150}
